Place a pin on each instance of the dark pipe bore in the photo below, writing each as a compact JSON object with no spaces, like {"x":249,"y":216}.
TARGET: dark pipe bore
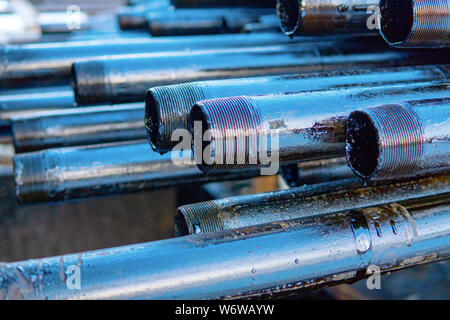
{"x":397,"y":18}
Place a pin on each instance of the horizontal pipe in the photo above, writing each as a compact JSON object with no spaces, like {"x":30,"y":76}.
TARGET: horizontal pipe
{"x":49,"y":63}
{"x":77,"y":127}
{"x":223,"y":3}
{"x":120,"y":80}
{"x":415,"y":24}
{"x":135,"y":17}
{"x":301,"y":126}
{"x":77,"y":172}
{"x":400,"y":140}
{"x":325,"y":16}
{"x":250,"y":262}
{"x":324,"y":198}
{"x":317,"y":171}
{"x":168,"y":107}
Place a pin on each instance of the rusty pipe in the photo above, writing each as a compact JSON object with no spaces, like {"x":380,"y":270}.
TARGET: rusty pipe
{"x":325,"y":16}
{"x":77,"y":172}
{"x":251,"y":262}
{"x":400,"y":140}
{"x":415,"y":24}
{"x":168,"y":107}
{"x":294,"y":203}
{"x":266,"y":131}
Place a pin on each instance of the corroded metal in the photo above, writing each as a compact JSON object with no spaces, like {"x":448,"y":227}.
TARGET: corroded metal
{"x":325,"y":16}
{"x":305,"y":126}
{"x":248,"y":262}
{"x":168,"y":107}
{"x":324,"y":198}
{"x":77,"y":172}
{"x":415,"y":23}
{"x":400,"y":140}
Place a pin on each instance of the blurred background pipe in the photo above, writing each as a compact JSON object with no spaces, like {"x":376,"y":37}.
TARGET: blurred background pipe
{"x":67,"y":173}
{"x":400,"y":140}
{"x":49,"y":63}
{"x":267,"y":259}
{"x":324,"y":198}
{"x":120,"y":80}
{"x":325,"y":16}
{"x":307,"y":126}
{"x":415,"y":24}
{"x":223,"y":3}
{"x":78,"y":126}
{"x":168,"y":107}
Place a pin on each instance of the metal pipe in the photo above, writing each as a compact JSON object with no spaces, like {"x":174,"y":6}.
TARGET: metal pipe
{"x":325,"y":16}
{"x":415,"y":24}
{"x":135,"y":17}
{"x":266,"y":131}
{"x":317,"y":171}
{"x":120,"y":80}
{"x":67,"y":173}
{"x":400,"y":140}
{"x":294,"y":203}
{"x":78,"y":126}
{"x":168,"y":107}
{"x":249,"y":262}
{"x":49,"y":63}
{"x":223,"y":3}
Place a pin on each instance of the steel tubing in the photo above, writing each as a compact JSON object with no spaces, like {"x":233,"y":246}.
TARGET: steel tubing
{"x":415,"y":24}
{"x":50,"y":63}
{"x":266,"y":131}
{"x":167,"y":107}
{"x":78,"y":126}
{"x":400,"y":140}
{"x":325,"y":16}
{"x":255,"y":261}
{"x":324,"y":198}
{"x":77,"y":172}
{"x":223,"y":3}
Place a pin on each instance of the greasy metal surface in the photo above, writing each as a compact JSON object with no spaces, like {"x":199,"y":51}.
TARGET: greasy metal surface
{"x":119,"y":80}
{"x":78,"y":126}
{"x":404,"y":139}
{"x":415,"y":24}
{"x":247,"y":262}
{"x":49,"y":63}
{"x":324,"y":16}
{"x":314,"y":200}
{"x":309,"y":125}
{"x":168,"y":107}
{"x":76,"y":172}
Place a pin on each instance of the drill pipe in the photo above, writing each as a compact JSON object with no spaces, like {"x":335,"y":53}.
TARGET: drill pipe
{"x":111,"y":81}
{"x":250,"y":262}
{"x":223,"y":3}
{"x":78,"y":126}
{"x":325,"y":16}
{"x":167,"y":107}
{"x":135,"y":18}
{"x":324,"y":198}
{"x":305,"y":126}
{"x":317,"y":171}
{"x":415,"y":24}
{"x":400,"y":140}
{"x":50,"y":63}
{"x":67,"y":173}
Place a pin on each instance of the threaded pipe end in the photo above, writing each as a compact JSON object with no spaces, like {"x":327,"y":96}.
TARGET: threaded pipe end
{"x":167,"y":109}
{"x":203,"y":217}
{"x":385,"y":142}
{"x":415,"y":23}
{"x":233,"y":126}
{"x":89,"y":83}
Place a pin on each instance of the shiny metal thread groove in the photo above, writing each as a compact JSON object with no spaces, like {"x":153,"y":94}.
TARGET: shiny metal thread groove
{"x":203,"y":217}
{"x":89,"y":82}
{"x":400,"y":139}
{"x":231,"y":121}
{"x":172,"y":105}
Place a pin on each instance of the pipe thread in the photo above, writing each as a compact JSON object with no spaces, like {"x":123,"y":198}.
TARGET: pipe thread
{"x":203,"y":217}
{"x":89,"y":83}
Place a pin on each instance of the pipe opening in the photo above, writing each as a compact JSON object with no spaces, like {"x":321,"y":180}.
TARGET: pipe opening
{"x":198,"y":115}
{"x":362,"y":148}
{"x":181,"y":227}
{"x":289,"y":14}
{"x":152,"y":120}
{"x":397,"y":17}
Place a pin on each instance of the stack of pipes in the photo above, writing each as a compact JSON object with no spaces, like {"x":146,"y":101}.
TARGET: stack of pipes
{"x":357,"y":128}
